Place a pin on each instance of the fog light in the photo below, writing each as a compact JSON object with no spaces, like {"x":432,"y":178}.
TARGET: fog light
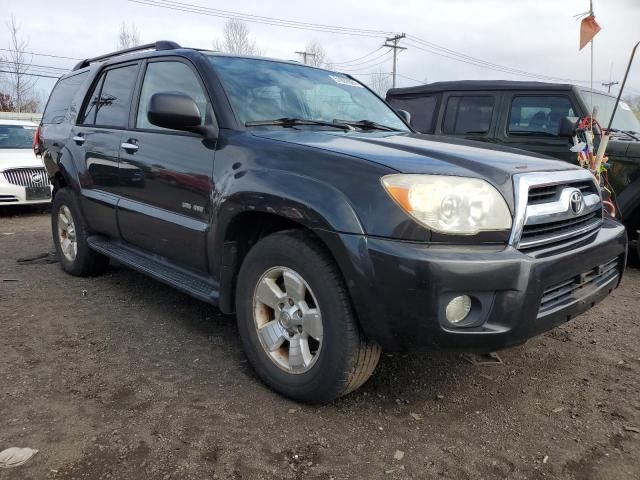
{"x":458,"y":309}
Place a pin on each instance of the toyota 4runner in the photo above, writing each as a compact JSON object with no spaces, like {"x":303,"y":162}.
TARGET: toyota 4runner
{"x":296,"y":198}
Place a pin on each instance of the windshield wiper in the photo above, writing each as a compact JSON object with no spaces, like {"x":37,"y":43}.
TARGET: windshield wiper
{"x":366,"y":124}
{"x":294,"y":122}
{"x":628,"y":133}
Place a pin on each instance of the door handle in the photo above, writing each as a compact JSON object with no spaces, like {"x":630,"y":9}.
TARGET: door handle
{"x":79,"y":139}
{"x":129,"y":146}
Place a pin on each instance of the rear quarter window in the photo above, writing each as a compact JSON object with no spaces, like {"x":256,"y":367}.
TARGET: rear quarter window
{"x":61,"y":106}
{"x":423,"y":110}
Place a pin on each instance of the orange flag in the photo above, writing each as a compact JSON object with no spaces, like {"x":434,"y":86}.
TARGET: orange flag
{"x":588,"y":29}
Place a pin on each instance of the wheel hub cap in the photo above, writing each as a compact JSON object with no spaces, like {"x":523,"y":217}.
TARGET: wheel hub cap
{"x":287,"y":319}
{"x":67,"y":234}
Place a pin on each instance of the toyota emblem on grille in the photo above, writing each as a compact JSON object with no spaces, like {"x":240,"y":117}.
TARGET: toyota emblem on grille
{"x":576,"y":202}
{"x":36,"y":178}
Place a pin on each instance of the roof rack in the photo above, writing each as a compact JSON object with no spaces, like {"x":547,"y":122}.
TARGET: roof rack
{"x":158,"y":46}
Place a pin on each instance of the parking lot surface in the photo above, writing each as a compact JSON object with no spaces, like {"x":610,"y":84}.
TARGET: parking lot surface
{"x":121,"y":377}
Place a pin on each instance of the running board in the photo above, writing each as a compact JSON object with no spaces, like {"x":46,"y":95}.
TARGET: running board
{"x":198,"y":286}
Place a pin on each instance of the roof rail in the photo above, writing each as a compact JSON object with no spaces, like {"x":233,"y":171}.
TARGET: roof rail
{"x":158,"y":46}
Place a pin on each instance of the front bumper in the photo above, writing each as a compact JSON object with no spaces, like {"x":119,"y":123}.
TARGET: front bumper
{"x":16,"y":195}
{"x":401,"y":289}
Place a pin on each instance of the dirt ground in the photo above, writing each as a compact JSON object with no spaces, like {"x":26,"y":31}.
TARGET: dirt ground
{"x":121,"y":377}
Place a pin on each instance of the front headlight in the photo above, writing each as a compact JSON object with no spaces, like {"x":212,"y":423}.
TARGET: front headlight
{"x":454,"y":205}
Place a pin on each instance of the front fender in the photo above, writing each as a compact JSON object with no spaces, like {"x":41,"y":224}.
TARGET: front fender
{"x":304,"y":200}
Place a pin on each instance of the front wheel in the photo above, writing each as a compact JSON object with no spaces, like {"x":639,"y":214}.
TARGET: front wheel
{"x":296,"y":321}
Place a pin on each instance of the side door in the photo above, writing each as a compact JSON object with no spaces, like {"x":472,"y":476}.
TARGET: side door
{"x":469,"y":115}
{"x":166,"y":175}
{"x":96,"y":139}
{"x":532,"y":121}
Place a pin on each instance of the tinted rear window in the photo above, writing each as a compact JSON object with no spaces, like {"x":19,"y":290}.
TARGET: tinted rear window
{"x":468,"y":115}
{"x":61,"y":106}
{"x":422,"y":109}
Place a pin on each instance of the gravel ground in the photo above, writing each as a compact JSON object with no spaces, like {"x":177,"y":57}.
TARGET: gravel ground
{"x":134,"y":380}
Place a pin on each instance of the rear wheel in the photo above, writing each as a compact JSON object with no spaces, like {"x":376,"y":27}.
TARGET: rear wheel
{"x":296,"y":321}
{"x":70,"y":238}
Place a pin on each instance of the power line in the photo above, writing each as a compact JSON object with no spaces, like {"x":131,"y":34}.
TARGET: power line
{"x":350,"y":67}
{"x":366,"y":67}
{"x":40,"y":54}
{"x":436,"y":49}
{"x":359,"y":58}
{"x":213,"y":12}
{"x":28,"y":65}
{"x":31,"y":74}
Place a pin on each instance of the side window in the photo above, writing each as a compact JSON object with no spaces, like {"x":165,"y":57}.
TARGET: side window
{"x":61,"y":101}
{"x":169,"y":77}
{"x":89,"y":115}
{"x":538,"y":115}
{"x":111,"y":98}
{"x":468,"y":115}
{"x":422,"y":110}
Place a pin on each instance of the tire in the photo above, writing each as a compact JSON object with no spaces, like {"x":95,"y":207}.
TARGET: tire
{"x":341,"y":361}
{"x":80,"y":261}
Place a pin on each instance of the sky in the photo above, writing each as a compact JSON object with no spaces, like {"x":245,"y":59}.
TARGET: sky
{"x":538,"y":36}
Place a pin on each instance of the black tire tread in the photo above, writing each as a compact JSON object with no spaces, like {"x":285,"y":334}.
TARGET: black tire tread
{"x":366,"y":354}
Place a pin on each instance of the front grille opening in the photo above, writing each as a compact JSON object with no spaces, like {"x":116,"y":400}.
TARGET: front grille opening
{"x":550,"y":193}
{"x":552,"y":224}
{"x":27,"y":177}
{"x":566,"y":292}
{"x":562,"y":226}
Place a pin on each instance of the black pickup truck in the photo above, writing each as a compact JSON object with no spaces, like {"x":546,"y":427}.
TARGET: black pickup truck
{"x":528,"y":115}
{"x":297,"y":199}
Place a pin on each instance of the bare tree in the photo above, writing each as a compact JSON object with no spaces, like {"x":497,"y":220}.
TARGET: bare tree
{"x":128,"y":36}
{"x":18,"y":66}
{"x":379,"y":82}
{"x":318,"y":56}
{"x":236,"y":39}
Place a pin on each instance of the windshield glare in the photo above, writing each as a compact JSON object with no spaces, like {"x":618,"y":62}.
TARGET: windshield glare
{"x":268,"y":90}
{"x":625,"y":118}
{"x":16,"y":136}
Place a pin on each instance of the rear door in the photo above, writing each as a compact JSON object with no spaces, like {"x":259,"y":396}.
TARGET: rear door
{"x":96,"y":139}
{"x":469,"y":115}
{"x":531,"y":121}
{"x":165,"y":175}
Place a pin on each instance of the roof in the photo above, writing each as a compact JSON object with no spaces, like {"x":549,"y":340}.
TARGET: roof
{"x":18,"y":122}
{"x":468,"y":85}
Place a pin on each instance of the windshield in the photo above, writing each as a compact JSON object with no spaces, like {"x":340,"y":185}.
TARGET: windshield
{"x":268,"y":90}
{"x":16,"y":136}
{"x":625,"y":118}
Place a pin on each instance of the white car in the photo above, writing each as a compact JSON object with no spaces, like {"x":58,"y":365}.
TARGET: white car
{"x":23,"y":179}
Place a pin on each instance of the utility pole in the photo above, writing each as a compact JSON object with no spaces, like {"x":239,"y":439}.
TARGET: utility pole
{"x":395,"y":47}
{"x":610,"y":83}
{"x":305,"y":55}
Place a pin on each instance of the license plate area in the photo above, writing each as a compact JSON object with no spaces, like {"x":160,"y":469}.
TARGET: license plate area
{"x":38,"y":193}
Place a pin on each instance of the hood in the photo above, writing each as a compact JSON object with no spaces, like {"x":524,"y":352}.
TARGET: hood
{"x":416,"y":153}
{"x":17,"y":158}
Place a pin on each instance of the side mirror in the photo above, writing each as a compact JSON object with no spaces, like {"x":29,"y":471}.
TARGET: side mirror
{"x":174,"y":110}
{"x":567,"y":127}
{"x":406,"y":116}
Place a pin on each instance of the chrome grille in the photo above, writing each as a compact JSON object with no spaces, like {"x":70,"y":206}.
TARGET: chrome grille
{"x":563,"y":293}
{"x":554,"y":209}
{"x":27,"y":177}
